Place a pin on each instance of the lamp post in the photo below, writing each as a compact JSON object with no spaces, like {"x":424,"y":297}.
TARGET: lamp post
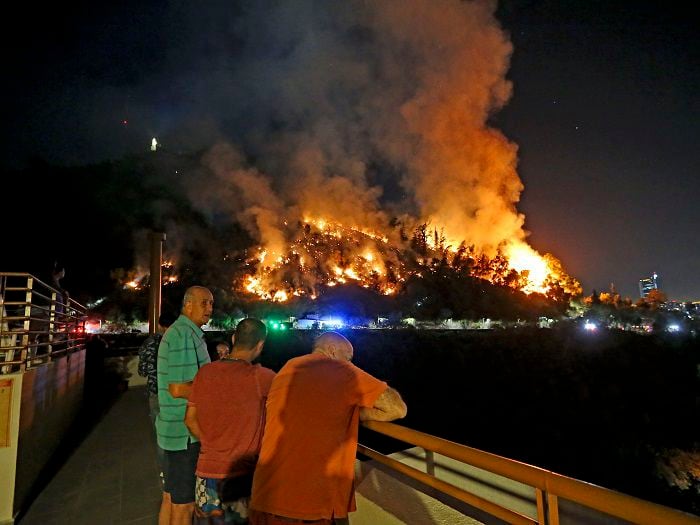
{"x":154,"y":294}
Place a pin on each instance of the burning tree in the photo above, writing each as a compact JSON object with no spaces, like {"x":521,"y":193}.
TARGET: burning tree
{"x":323,"y":255}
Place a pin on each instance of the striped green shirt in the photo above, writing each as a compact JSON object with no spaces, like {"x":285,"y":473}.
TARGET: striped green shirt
{"x":181,"y":352}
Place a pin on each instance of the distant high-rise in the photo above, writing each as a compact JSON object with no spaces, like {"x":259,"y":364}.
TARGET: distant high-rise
{"x":649,"y":284}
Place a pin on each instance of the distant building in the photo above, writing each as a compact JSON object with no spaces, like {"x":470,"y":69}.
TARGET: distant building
{"x":649,"y":284}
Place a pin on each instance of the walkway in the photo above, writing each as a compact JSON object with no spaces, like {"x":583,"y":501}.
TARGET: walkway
{"x":113,"y":472}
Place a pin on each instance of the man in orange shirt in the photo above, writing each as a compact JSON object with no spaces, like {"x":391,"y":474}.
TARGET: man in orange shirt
{"x":305,"y":472}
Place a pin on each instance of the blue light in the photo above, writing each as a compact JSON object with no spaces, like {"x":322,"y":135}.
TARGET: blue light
{"x":333,"y":323}
{"x":590,"y":326}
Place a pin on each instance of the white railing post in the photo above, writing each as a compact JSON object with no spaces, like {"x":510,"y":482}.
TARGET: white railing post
{"x":24,"y":354}
{"x":52,"y":324}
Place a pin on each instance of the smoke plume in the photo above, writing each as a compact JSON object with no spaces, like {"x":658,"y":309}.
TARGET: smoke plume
{"x":357,"y":112}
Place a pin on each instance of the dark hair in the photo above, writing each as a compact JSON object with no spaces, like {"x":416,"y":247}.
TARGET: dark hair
{"x":249,"y":332}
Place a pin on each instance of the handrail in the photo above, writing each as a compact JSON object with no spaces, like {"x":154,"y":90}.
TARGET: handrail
{"x":549,"y":485}
{"x":37,"y":323}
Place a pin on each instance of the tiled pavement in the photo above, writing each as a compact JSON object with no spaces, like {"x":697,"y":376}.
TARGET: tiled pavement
{"x":111,"y":478}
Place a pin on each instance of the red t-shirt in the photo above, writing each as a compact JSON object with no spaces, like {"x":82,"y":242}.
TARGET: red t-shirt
{"x":229,"y":396}
{"x":306,"y":464}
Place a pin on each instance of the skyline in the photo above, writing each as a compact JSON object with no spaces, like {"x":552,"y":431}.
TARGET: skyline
{"x":602,"y":111}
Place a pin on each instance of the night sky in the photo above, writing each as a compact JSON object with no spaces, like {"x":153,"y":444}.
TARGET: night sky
{"x":604,"y":110}
{"x":606,"y":113}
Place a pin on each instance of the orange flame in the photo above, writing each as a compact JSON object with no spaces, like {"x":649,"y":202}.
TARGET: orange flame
{"x":522,"y":258}
{"x":330,"y":254}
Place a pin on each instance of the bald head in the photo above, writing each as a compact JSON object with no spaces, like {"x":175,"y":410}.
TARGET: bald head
{"x":333,"y":345}
{"x":197,"y":304}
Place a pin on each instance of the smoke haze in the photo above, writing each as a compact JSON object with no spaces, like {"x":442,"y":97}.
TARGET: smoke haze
{"x":332,"y":102}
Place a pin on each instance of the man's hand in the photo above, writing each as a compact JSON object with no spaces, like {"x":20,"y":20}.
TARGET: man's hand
{"x":180,"y":389}
{"x":387,"y":407}
{"x":191,"y":421}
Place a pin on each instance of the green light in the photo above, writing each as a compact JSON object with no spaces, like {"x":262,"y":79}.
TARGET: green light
{"x":275,"y":326}
{"x":282,"y":327}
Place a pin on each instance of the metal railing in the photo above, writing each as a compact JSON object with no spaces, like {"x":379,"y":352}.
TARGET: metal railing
{"x":548,"y":486}
{"x":37,"y":323}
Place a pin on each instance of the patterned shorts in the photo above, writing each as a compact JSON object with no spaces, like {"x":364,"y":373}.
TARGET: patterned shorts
{"x":208,"y":504}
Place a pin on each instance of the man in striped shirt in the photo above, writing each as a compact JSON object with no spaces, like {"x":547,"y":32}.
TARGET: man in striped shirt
{"x":181,"y":353}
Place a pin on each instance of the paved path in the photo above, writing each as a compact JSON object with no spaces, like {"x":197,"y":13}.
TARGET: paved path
{"x":111,"y":478}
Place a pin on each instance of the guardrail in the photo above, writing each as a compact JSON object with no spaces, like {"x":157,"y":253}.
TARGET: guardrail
{"x":548,"y":486}
{"x":37,"y":323}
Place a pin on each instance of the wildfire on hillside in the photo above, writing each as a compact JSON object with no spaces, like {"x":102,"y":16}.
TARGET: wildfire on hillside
{"x":136,"y":279}
{"x":326,"y":254}
{"x":382,"y":127}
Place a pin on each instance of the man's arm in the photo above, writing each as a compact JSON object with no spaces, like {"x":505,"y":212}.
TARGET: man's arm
{"x":180,"y":389}
{"x":387,"y":407}
{"x":181,"y":349}
{"x":191,"y":421}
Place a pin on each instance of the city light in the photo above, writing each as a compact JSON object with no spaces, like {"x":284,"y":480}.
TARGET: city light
{"x":333,"y":324}
{"x":590,"y":326}
{"x":277,"y":325}
{"x":93,"y":326}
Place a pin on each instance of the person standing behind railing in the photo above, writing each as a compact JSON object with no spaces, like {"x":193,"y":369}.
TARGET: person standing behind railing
{"x":49,"y":313}
{"x":62,"y":315}
{"x":62,"y":295}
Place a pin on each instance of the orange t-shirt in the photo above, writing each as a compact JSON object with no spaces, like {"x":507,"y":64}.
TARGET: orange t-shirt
{"x":229,"y":396}
{"x":306,"y":466}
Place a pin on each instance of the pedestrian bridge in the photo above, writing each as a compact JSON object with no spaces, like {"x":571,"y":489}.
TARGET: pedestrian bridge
{"x":111,"y":476}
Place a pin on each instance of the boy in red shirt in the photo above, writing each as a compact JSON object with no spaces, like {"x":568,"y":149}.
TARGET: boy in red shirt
{"x":226,"y":411}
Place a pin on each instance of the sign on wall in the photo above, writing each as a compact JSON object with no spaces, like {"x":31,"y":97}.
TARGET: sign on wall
{"x":5,"y":411}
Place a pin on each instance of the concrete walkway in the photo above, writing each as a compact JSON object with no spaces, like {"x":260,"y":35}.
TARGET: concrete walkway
{"x":111,"y":478}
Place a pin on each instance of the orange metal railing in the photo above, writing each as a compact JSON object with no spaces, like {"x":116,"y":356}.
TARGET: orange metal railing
{"x":37,"y":323}
{"x":548,"y":486}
